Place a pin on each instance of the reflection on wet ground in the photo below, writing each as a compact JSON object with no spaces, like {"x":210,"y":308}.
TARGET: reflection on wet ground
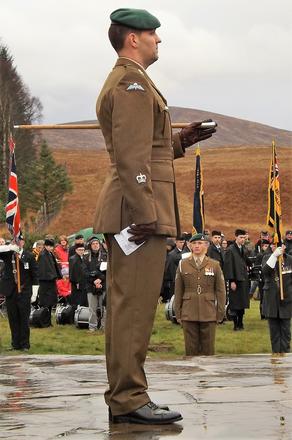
{"x":242,"y":397}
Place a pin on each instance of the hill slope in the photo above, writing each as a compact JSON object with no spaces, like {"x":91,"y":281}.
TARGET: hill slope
{"x":235,"y":183}
{"x":230,"y":132}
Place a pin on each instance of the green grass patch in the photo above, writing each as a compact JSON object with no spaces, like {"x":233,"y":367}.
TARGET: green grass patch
{"x":166,"y":341}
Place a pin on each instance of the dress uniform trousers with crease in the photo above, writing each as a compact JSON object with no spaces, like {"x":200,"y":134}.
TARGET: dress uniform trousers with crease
{"x":139,"y":189}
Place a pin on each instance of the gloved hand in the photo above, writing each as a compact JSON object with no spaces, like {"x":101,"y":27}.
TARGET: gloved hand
{"x":278,"y":251}
{"x":195,"y":133}
{"x":141,"y":233}
{"x":14,"y":247}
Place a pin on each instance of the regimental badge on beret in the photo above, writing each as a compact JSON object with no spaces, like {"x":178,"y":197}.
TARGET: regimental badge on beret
{"x":135,"y":86}
{"x":198,"y":237}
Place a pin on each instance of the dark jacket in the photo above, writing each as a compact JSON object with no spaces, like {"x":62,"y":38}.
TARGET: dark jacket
{"x":92,"y":263}
{"x":49,"y":272}
{"x":77,"y":278}
{"x":48,"y":268}
{"x":273,"y":306}
{"x":216,"y":254}
{"x":28,"y":273}
{"x":235,"y":269}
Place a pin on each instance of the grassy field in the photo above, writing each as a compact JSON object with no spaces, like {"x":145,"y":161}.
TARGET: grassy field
{"x":166,"y":341}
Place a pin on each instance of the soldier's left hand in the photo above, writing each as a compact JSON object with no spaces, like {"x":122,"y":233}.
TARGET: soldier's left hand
{"x":195,"y":133}
{"x":141,"y":233}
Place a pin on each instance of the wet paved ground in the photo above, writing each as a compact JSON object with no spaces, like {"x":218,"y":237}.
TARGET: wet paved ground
{"x":242,"y":397}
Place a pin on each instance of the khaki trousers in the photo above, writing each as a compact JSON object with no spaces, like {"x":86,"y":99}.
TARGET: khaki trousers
{"x":199,"y":338}
{"x":133,"y":289}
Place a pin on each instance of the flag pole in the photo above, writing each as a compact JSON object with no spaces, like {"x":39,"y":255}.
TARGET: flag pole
{"x":280,"y":260}
{"x":18,"y":272}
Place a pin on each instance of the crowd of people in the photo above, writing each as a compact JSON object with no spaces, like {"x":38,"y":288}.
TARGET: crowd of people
{"x":74,"y":275}
{"x":58,"y":273}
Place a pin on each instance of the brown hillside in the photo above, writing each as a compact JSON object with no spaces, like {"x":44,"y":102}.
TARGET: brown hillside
{"x":235,"y":182}
{"x":230,"y":132}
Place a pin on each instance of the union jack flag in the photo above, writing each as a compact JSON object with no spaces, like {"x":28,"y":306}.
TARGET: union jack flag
{"x":12,"y":207}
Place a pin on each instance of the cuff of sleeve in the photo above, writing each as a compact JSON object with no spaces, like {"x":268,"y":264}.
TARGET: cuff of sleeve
{"x":272,"y":261}
{"x":178,"y":149}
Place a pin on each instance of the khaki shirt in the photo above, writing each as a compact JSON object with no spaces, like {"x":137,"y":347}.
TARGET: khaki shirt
{"x":136,"y":126}
{"x":199,"y":291}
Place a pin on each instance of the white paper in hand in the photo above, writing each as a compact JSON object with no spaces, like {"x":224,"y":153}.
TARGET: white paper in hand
{"x":128,"y":247}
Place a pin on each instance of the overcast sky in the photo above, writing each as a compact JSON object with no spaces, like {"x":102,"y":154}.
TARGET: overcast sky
{"x":226,"y":56}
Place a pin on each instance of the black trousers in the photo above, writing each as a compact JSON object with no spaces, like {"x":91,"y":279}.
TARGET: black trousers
{"x":280,"y":334}
{"x":18,"y":311}
{"x":238,"y":319}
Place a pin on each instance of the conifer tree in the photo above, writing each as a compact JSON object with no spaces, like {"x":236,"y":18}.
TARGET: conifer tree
{"x":51,"y":183}
{"x":17,"y":106}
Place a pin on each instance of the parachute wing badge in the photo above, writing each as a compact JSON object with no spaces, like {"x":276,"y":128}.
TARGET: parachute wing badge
{"x":135,"y":86}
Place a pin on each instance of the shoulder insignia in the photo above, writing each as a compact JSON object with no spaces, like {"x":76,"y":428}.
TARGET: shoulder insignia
{"x":135,"y":86}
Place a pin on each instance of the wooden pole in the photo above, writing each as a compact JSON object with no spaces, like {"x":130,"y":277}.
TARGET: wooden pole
{"x":18,"y":273}
{"x":78,"y":126}
{"x":281,"y":278}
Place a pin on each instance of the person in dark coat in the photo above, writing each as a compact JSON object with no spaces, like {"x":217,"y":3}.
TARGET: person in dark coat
{"x":236,"y":273}
{"x":18,"y":303}
{"x":288,"y":242}
{"x":214,"y":250}
{"x":265,"y":251}
{"x":95,"y":282}
{"x":277,"y":311}
{"x":79,"y":239}
{"x":77,"y":276}
{"x":174,"y":258}
{"x":48,"y":273}
{"x":166,"y":291}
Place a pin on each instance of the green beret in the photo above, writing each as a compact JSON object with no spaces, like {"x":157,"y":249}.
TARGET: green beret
{"x":198,"y":237}
{"x":134,"y":18}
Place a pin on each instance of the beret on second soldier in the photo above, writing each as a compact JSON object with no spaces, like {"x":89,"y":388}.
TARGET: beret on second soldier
{"x":198,"y":237}
{"x":134,"y":18}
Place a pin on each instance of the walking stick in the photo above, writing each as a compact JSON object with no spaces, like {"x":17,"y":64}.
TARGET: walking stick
{"x":78,"y":126}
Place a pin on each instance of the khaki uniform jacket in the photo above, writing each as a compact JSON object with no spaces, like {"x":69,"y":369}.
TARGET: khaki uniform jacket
{"x":136,"y":126}
{"x":199,"y":291}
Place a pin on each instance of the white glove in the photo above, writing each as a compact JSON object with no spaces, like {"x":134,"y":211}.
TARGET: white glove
{"x":14,"y":247}
{"x":277,"y":252}
{"x":9,"y":247}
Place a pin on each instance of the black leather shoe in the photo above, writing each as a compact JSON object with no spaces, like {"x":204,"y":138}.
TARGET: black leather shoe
{"x":110,"y":416}
{"x":150,"y":414}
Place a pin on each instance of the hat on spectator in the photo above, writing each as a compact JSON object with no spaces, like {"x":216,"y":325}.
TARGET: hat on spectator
{"x":216,"y":233}
{"x":49,"y":242}
{"x":79,"y":245}
{"x":78,"y":236}
{"x":265,"y":242}
{"x":289,"y":232}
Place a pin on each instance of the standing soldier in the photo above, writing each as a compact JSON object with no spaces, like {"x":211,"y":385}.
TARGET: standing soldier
{"x":278,"y":311}
{"x":214,"y":250}
{"x":236,"y":273}
{"x":139,"y":194}
{"x":199,"y":298}
{"x":18,"y":303}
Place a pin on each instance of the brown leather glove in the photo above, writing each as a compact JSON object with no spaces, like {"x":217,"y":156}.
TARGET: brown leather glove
{"x":195,"y":133}
{"x":141,"y":233}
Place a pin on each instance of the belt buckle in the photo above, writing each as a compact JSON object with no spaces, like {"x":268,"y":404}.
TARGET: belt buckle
{"x":199,"y":290}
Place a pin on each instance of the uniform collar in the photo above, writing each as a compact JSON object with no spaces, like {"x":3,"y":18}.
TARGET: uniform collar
{"x":124,"y":61}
